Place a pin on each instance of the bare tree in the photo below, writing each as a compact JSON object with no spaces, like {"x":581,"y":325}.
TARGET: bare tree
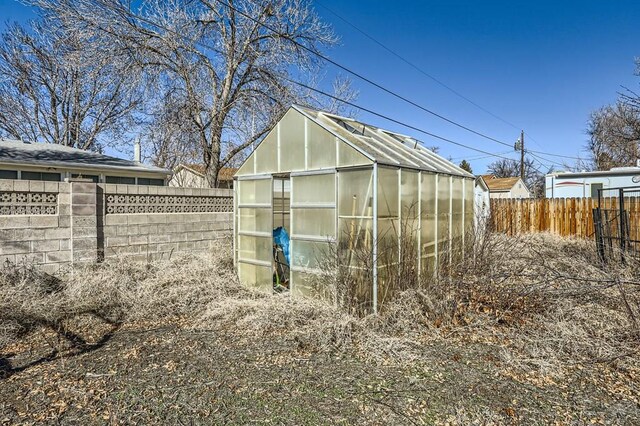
{"x":51,"y":90}
{"x":227,"y":65}
{"x":533,"y":176}
{"x":614,"y":132}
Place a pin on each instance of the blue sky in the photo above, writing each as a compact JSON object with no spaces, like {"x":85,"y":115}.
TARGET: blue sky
{"x":543,"y":66}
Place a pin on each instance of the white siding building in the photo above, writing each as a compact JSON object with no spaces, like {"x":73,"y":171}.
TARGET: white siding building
{"x":586,"y":184}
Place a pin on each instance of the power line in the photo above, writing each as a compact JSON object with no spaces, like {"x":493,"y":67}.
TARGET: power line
{"x":360,"y":76}
{"x":414,"y":66}
{"x":393,"y":120}
{"x":155,"y":24}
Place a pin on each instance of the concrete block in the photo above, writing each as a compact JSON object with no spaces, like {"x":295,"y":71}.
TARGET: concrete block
{"x":84,"y":231}
{"x":122,"y":189}
{"x":83,"y":188}
{"x":138,"y":239}
{"x":84,"y":221}
{"x":9,"y":222}
{"x":110,"y":188}
{"x":45,"y":245}
{"x":29,"y":234}
{"x":64,"y":187}
{"x":162,"y":190}
{"x":108,"y":231}
{"x":64,"y":221}
{"x":43,"y":221}
{"x":177,"y":237}
{"x":89,"y":256}
{"x":36,"y":186}
{"x":51,"y":187}
{"x":157,"y":218}
{"x":116,"y":219}
{"x":6,"y":185}
{"x":132,"y":189}
{"x":65,"y":244}
{"x":15,"y":247}
{"x":31,"y":258}
{"x":83,"y":198}
{"x":186,"y":246}
{"x":58,"y":256}
{"x":139,"y":218}
{"x":153,"y":190}
{"x":64,"y":209}
{"x":64,"y":198}
{"x":7,"y":235}
{"x":148,"y":229}
{"x":83,"y":210}
{"x":143,"y":190}
{"x":21,"y":185}
{"x":117,"y":241}
{"x":57,"y":233}
{"x":167,"y":247}
{"x":84,"y":244}
{"x":159,"y":238}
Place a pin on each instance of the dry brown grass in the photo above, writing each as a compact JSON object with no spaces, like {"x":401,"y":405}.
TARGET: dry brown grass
{"x":544,"y":303}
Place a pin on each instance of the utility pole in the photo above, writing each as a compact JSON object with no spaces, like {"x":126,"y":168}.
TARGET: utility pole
{"x":520,"y":146}
{"x":522,"y":155}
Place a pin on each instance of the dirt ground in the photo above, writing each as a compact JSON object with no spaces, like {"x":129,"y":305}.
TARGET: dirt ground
{"x":172,"y":375}
{"x":542,"y":336}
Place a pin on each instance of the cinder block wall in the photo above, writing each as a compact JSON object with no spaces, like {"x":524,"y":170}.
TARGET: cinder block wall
{"x":138,"y":222}
{"x":35,"y":223}
{"x":54,"y":224}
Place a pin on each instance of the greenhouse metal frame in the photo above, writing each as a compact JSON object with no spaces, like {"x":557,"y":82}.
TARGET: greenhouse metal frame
{"x":340,"y":186}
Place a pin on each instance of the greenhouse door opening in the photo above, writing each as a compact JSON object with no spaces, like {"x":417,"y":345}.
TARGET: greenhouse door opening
{"x":281,"y":232}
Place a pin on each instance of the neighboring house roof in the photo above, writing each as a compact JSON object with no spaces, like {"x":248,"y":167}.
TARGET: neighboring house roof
{"x":59,"y":156}
{"x":382,"y":146}
{"x":501,"y":184}
{"x":225,"y":173}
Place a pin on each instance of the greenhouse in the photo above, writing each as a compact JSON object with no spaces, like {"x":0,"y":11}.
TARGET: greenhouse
{"x":321,"y":191}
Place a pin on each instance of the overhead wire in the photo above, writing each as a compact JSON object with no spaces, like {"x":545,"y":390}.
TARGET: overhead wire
{"x":327,"y":59}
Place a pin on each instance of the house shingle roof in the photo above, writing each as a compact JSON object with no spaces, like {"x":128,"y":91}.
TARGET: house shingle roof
{"x":53,"y":155}
{"x":500,"y":184}
{"x":225,"y":173}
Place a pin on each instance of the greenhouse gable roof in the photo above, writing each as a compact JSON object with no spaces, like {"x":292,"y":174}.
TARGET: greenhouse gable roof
{"x":382,"y":146}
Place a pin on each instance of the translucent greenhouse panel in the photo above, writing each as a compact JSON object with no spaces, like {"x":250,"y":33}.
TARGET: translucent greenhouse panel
{"x":292,"y":151}
{"x":444,"y":225}
{"x":311,"y":285}
{"x":388,"y":193}
{"x":314,"y":222}
{"x":266,"y":155}
{"x":355,"y":193}
{"x":457,"y":212}
{"x":321,"y":147}
{"x":247,"y":167}
{"x":355,"y":236}
{"x":347,"y":156}
{"x":314,"y":189}
{"x":428,"y":221}
{"x":254,"y":248}
{"x":312,"y":255}
{"x":257,"y":191}
{"x":410,"y":222}
{"x":254,"y":220}
{"x":469,"y":198}
{"x":255,"y":276}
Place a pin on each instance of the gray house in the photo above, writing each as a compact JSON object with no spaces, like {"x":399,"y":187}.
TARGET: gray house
{"x":50,"y":162}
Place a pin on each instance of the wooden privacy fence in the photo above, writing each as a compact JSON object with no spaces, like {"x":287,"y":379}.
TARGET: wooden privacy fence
{"x":560,"y":216}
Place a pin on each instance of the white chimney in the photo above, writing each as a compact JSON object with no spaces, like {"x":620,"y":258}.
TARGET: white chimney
{"x":136,"y":151}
